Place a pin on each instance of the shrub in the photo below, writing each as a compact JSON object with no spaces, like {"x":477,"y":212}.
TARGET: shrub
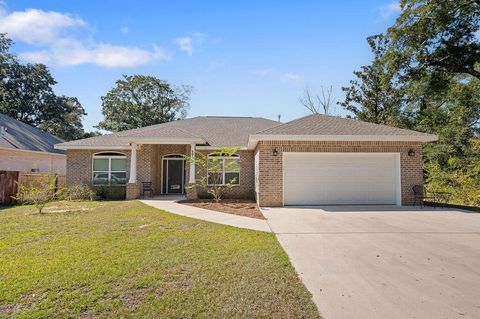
{"x":38,"y":195}
{"x":78,"y":192}
{"x":101,"y":192}
{"x":213,"y":182}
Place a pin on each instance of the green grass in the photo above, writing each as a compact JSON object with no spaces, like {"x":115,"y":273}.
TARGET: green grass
{"x":125,"y":259}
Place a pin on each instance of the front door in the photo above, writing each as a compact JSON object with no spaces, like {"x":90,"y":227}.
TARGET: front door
{"x":174,"y":176}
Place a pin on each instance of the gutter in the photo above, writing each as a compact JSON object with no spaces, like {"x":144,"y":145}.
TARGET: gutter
{"x":128,"y":141}
{"x":255,"y":138}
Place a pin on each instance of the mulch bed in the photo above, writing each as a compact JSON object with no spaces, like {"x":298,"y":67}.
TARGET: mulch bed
{"x":242,"y":207}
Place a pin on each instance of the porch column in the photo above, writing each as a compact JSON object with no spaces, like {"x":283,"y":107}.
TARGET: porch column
{"x":191,"y":179}
{"x":133,"y":164}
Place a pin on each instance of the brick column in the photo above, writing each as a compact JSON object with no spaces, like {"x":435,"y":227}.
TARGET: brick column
{"x":133,"y":191}
{"x":191,"y":191}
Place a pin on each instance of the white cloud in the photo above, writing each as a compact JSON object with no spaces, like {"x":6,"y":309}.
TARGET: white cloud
{"x":390,"y":9}
{"x":125,"y":30}
{"x":262,"y":72}
{"x":54,"y":34}
{"x":185,"y":44}
{"x":43,"y":57}
{"x":292,"y":77}
{"x":189,"y":44}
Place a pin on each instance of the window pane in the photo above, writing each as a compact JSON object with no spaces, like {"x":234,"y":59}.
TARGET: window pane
{"x":215,"y":178}
{"x":215,"y":164}
{"x":118,"y":179}
{"x":100,"y":178}
{"x":232,"y":165}
{"x":233,"y":178}
{"x":119,"y":164}
{"x":100,"y":164}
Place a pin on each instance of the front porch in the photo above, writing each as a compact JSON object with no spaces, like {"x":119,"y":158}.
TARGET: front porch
{"x":164,"y":166}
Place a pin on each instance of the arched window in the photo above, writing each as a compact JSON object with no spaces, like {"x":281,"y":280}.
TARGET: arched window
{"x":223,"y":170}
{"x":109,"y":168}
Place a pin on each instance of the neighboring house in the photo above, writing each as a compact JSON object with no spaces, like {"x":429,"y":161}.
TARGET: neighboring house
{"x":314,"y":160}
{"x":25,"y":148}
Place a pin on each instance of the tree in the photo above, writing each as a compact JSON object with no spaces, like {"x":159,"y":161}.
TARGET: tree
{"x":437,"y":36}
{"x":373,"y":97}
{"x":318,"y":103}
{"x":68,"y":123}
{"x":425,"y":76}
{"x":27,"y":95}
{"x":455,"y":117}
{"x":40,"y":193}
{"x":141,"y":100}
{"x":211,"y":167}
{"x":91,"y":134}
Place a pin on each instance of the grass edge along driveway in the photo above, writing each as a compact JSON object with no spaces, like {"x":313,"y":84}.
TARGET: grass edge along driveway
{"x":125,"y":259}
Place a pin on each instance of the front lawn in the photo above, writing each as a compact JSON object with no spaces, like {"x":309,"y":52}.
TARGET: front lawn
{"x":125,"y":259}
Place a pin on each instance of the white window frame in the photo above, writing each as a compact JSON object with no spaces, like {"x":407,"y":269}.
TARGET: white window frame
{"x":109,"y":172}
{"x":223,"y":158}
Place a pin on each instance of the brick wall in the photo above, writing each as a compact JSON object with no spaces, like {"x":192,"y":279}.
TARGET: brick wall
{"x":149,"y":167}
{"x":149,"y":163}
{"x":270,"y":174}
{"x":79,"y":171}
{"x":247,"y":178}
{"x":24,"y":161}
{"x":79,"y":165}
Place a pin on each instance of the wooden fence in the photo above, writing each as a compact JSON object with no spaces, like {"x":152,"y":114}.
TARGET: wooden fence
{"x":9,"y":181}
{"x":8,"y":186}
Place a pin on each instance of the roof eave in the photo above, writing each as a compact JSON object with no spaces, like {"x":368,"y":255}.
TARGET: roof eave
{"x":170,"y":140}
{"x":128,"y":141}
{"x":91,"y":147}
{"x":425,"y":138}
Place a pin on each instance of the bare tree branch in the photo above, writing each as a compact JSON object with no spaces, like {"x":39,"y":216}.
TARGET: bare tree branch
{"x":319,"y":103}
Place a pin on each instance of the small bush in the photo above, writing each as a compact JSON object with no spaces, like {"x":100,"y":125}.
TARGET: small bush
{"x":38,"y":195}
{"x":112,"y":192}
{"x":78,"y":192}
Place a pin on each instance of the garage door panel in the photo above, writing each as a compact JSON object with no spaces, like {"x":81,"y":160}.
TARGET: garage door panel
{"x":340,"y":178}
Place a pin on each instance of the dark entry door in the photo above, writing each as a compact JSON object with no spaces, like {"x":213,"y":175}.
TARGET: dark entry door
{"x":175,"y":176}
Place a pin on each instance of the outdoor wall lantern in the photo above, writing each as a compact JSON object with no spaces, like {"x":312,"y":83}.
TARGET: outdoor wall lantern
{"x":274,"y":151}
{"x":411,"y":152}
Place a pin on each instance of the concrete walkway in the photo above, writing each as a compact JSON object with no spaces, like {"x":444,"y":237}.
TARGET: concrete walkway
{"x":169,"y":204}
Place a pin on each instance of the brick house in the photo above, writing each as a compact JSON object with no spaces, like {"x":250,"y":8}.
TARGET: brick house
{"x":314,"y":160}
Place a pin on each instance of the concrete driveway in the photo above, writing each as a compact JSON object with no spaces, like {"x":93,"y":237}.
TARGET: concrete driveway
{"x":384,"y":262}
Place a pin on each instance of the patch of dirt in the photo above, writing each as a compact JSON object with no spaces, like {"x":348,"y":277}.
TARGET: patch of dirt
{"x":242,"y":207}
{"x":66,"y":210}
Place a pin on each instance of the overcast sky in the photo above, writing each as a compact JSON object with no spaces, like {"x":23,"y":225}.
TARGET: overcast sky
{"x":247,"y":58}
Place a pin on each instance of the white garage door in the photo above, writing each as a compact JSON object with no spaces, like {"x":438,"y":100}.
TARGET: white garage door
{"x":341,"y":178}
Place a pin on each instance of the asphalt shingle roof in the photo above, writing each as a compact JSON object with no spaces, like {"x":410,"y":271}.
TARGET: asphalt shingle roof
{"x":220,"y":131}
{"x":214,"y":130}
{"x":21,"y":136}
{"x":318,"y":124}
